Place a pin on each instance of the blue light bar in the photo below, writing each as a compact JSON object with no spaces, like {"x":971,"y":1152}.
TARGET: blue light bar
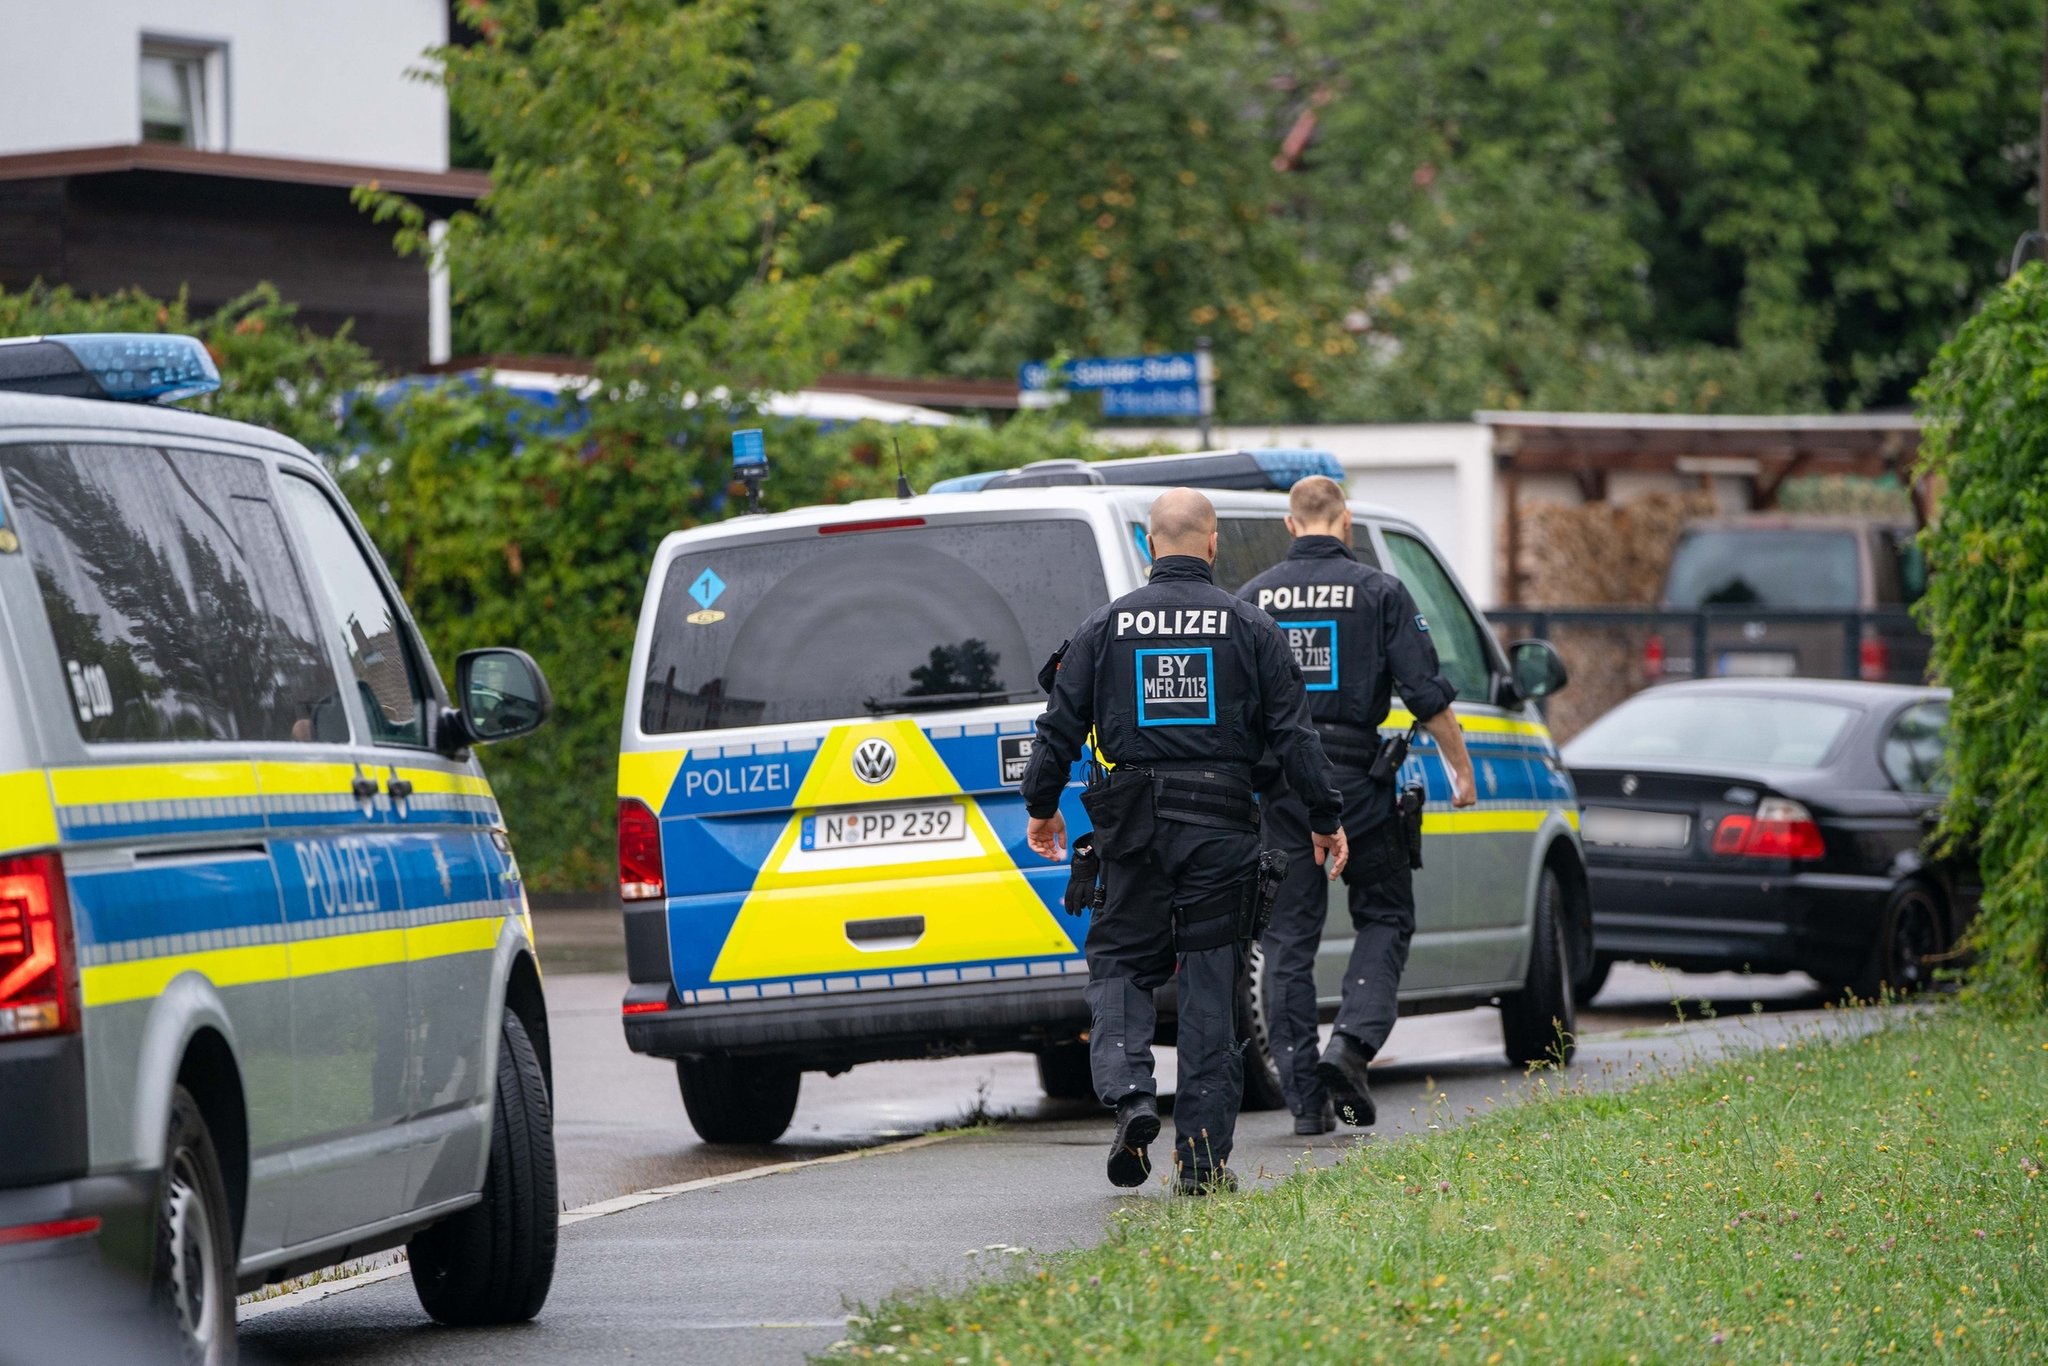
{"x":130,"y":367}
{"x":962,"y":483}
{"x":1275,"y":469}
{"x":1287,"y":468}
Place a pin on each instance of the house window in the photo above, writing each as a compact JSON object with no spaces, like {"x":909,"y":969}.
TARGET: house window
{"x":183,"y":90}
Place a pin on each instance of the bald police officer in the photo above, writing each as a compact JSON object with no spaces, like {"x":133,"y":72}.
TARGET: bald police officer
{"x":1356,"y":634}
{"x":1183,"y":687}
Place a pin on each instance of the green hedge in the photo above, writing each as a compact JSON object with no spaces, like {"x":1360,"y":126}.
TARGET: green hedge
{"x":1985,"y":404}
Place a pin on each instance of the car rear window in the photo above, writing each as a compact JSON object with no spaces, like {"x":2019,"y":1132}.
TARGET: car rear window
{"x":909,"y":618}
{"x":1765,"y":568}
{"x":1782,"y":732}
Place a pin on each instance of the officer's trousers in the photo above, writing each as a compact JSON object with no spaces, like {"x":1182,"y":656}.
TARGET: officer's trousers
{"x":1131,"y":953}
{"x":1381,"y":891}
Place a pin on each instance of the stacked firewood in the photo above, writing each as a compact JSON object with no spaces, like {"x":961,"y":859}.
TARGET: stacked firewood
{"x":1597,"y":555}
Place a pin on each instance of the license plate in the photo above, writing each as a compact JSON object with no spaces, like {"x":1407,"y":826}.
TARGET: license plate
{"x":1758,"y":664}
{"x":937,"y":823}
{"x":1635,"y":829}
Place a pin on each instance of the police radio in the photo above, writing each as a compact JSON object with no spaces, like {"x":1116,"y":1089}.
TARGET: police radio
{"x":1393,"y":753}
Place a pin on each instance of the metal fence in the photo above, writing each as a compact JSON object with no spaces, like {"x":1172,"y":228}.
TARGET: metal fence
{"x":1613,"y":652}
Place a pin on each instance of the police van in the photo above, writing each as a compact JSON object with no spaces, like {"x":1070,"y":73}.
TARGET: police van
{"x":822,"y":854}
{"x":268,"y":996}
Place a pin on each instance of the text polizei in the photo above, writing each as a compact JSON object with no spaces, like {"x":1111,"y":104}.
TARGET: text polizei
{"x":1303,"y":596}
{"x":1175,"y":622}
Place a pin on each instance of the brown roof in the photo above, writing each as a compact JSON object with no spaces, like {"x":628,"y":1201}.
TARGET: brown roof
{"x":160,"y":156}
{"x":1870,"y":443}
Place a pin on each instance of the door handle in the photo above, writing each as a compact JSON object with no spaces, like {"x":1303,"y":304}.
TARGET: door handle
{"x":399,"y":789}
{"x":364,"y":788}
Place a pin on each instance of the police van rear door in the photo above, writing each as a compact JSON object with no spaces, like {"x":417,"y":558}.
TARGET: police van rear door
{"x":830,"y":720}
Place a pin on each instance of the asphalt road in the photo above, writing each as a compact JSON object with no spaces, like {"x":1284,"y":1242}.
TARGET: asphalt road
{"x":765,"y":1267}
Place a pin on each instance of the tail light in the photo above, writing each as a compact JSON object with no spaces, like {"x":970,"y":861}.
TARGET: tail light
{"x":1873,"y":660}
{"x":38,"y":978}
{"x":640,"y":876}
{"x":1780,"y":829}
{"x":1653,"y":659}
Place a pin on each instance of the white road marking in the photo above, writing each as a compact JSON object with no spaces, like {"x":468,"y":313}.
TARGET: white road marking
{"x":313,"y":1294}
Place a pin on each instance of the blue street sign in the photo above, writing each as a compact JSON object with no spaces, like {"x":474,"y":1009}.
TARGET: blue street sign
{"x":1131,"y":386}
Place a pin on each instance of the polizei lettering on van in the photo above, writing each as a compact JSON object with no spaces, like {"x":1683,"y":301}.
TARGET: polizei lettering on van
{"x":1175,"y":621}
{"x":1299,"y":597}
{"x":731,"y":780}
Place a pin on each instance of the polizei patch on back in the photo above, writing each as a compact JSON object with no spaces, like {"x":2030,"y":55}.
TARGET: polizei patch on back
{"x":1177,"y":687}
{"x":1174,"y":621}
{"x":1315,"y":649}
{"x":1307,"y":597}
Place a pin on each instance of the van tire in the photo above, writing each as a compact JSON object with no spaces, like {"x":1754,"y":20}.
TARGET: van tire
{"x":1064,"y":1072}
{"x":739,"y":1100}
{"x":494,"y":1262}
{"x":1588,"y":987}
{"x":192,"y":1259}
{"x":1540,"y":1022}
{"x":1262,"y":1086}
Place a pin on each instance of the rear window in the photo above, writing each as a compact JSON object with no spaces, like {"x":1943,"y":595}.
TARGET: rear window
{"x":910,"y":619}
{"x":1673,"y":728}
{"x":1813,"y":570}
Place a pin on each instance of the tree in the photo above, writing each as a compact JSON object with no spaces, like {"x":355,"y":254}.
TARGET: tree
{"x":1081,"y":176}
{"x":1985,"y":403}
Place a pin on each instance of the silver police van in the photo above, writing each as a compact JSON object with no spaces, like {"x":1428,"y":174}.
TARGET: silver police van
{"x":821,"y":844}
{"x":268,"y":995}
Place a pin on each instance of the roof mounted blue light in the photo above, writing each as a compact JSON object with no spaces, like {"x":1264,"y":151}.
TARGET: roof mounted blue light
{"x":130,"y":367}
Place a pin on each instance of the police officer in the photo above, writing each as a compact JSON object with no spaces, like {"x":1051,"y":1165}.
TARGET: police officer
{"x":1183,"y":687}
{"x":1356,"y":634}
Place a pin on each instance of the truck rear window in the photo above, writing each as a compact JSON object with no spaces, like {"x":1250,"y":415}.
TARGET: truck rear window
{"x":912,"y":618}
{"x":1813,"y":570}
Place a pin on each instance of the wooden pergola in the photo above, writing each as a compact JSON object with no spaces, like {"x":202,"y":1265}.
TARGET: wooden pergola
{"x":1767,"y":451}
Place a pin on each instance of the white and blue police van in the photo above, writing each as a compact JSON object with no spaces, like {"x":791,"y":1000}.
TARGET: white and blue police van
{"x":268,"y":994}
{"x":822,"y":856}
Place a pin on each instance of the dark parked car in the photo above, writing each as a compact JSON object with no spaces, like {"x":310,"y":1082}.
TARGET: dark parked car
{"x":1773,"y":825}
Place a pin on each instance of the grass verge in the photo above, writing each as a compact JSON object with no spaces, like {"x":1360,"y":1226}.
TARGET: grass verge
{"x":1824,"y":1201}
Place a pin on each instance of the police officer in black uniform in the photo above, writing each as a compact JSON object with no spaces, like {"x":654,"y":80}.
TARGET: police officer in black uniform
{"x":1356,"y":634}
{"x":1183,"y":687}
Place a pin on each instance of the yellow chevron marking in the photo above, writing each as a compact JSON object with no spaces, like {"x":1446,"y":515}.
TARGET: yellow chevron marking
{"x":649,"y":774}
{"x":27,"y":820}
{"x":976,"y":907}
{"x":146,"y":979}
{"x":919,"y":771}
{"x":152,"y":783}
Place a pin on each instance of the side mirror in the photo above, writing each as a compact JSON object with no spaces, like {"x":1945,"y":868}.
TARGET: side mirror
{"x":1538,"y":669}
{"x":502,"y":694}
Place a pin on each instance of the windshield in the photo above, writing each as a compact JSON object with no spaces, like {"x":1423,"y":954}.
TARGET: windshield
{"x":1673,"y":728}
{"x":1790,"y":569}
{"x":908,"y":619}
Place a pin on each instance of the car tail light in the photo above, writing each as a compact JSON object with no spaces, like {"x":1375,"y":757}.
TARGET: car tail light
{"x":1779,"y":829}
{"x":38,"y":988}
{"x":1873,"y":660}
{"x":1653,"y":659}
{"x":640,"y":876}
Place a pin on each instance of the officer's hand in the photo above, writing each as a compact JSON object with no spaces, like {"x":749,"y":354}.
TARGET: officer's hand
{"x":1463,"y":790}
{"x":1048,"y":837}
{"x":1332,"y":852}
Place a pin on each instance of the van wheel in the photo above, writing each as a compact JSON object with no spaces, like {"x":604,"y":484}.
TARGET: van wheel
{"x":1587,"y":987}
{"x":739,"y":1100}
{"x":192,"y":1267}
{"x":494,"y":1262}
{"x":1064,"y":1072}
{"x":1539,"y":1023}
{"x":1262,"y":1088}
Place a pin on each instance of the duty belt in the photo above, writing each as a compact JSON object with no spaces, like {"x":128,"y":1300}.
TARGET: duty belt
{"x":1206,"y":796}
{"x":1348,"y":747}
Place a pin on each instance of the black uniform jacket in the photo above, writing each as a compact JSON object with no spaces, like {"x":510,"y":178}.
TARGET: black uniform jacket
{"x":1354,"y":631}
{"x":1180,"y":674}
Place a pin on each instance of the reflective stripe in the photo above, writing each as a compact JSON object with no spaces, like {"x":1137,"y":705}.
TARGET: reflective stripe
{"x":27,"y":820}
{"x":145,"y":979}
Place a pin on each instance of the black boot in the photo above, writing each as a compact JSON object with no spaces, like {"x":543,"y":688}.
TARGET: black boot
{"x":1137,"y":1124}
{"x":1320,"y":1120}
{"x":1342,"y":1070}
{"x":1212,"y":1181}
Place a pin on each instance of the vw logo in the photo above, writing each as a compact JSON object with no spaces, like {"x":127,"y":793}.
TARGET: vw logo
{"x":874,"y":760}
{"x":1629,"y":785}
